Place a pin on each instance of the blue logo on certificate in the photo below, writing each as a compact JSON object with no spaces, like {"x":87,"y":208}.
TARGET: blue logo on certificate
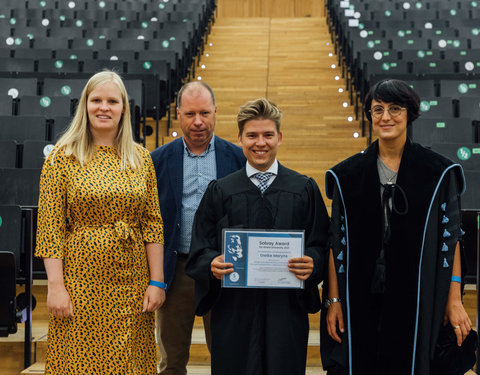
{"x":260,"y":258}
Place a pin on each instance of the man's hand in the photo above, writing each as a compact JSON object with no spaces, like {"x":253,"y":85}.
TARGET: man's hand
{"x":219,"y":268}
{"x":301,"y":267}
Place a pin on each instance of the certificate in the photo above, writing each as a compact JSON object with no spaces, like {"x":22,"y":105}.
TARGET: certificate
{"x":260,"y":258}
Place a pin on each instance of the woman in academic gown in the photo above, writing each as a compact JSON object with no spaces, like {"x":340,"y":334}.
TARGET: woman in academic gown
{"x":395,"y":262}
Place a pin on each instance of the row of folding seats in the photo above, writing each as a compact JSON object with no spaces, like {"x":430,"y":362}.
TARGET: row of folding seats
{"x":436,"y":130}
{"x":98,"y":5}
{"x":356,"y":32}
{"x":435,"y":47}
{"x":152,"y":40}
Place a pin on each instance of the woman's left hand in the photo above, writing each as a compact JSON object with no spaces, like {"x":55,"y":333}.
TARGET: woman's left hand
{"x":456,"y":315}
{"x":154,"y":298}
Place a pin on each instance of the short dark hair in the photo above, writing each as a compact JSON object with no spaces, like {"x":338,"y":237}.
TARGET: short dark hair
{"x":394,"y":91}
{"x":258,"y":109}
{"x":190,"y":84}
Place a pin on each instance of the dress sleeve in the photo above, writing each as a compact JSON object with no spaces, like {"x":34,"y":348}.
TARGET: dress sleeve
{"x":152,"y":223}
{"x":52,"y":206}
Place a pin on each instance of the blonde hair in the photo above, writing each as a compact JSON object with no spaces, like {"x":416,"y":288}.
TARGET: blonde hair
{"x":258,"y":109}
{"x":78,"y":139}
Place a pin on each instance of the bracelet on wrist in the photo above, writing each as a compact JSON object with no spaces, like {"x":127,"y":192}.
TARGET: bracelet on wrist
{"x":456,"y":279}
{"x":158,"y":284}
{"x":330,"y":301}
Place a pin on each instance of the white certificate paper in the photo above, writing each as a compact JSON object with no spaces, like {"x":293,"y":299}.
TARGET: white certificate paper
{"x":260,"y":258}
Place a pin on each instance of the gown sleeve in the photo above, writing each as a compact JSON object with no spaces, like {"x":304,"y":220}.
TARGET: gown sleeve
{"x":316,"y":232}
{"x":204,"y":248}
{"x":52,"y":206}
{"x":152,"y":223}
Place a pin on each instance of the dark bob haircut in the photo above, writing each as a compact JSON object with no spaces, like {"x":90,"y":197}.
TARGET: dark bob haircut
{"x":397,"y":92}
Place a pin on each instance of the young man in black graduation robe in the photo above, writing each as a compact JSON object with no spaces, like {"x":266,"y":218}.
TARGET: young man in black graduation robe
{"x":394,"y":334}
{"x":258,"y":331}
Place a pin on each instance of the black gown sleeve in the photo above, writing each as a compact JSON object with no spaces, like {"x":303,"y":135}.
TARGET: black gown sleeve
{"x":316,"y":232}
{"x":204,"y":248}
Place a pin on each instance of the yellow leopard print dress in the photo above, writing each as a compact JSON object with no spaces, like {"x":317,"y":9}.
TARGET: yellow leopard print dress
{"x":96,"y":219}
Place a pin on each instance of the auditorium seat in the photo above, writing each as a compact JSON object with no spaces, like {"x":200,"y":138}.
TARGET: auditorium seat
{"x":449,"y":43}
{"x":64,"y":87}
{"x":161,"y":85}
{"x":411,"y":42}
{"x":428,"y":131}
{"x":6,"y":105}
{"x":431,"y":68}
{"x":33,"y":53}
{"x":14,"y":66}
{"x":18,"y":86}
{"x":468,"y":67}
{"x":44,"y":4}
{"x":426,"y":88}
{"x":8,"y":311}
{"x":457,"y":89}
{"x":116,"y":54}
{"x":44,"y":106}
{"x":59,"y":126}
{"x":69,"y":54}
{"x":58,"y":65}
{"x":79,"y":22}
{"x":20,"y":128}
{"x":471,"y":198}
{"x":132,"y":44}
{"x":8,"y":153}
{"x":35,"y":153}
{"x":19,"y":186}
{"x":29,"y":32}
{"x":107,"y":33}
{"x":51,"y":42}
{"x":465,"y":153}
{"x":10,"y":230}
{"x":135,"y":32}
{"x":469,"y":107}
{"x":437,"y":107}
{"x":89,"y":44}
{"x":95,"y":66}
{"x":412,"y":54}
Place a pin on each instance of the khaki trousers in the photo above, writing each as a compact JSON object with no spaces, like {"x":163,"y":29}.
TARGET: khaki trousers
{"x":175,"y":321}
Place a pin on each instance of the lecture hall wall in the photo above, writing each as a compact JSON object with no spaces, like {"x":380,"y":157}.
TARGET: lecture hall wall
{"x":271,"y":8}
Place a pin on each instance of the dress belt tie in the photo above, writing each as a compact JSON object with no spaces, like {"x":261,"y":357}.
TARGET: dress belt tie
{"x":122,"y":229}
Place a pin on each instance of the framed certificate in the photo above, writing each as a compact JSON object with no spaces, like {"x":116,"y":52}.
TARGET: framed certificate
{"x":260,"y":258}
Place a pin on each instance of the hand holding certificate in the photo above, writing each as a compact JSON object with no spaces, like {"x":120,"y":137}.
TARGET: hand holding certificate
{"x":264,"y":259}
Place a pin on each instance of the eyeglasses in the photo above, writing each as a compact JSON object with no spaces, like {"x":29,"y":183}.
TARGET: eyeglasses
{"x":393,"y":111}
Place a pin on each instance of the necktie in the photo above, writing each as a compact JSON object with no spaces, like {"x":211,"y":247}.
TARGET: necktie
{"x":263,"y":178}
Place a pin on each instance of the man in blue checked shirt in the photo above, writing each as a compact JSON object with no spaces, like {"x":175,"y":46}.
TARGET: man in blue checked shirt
{"x":184,"y":168}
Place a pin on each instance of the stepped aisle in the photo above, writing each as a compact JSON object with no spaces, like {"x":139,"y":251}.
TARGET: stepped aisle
{"x":289,"y":61}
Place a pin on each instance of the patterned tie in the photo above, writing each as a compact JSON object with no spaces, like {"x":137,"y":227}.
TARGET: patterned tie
{"x":263,"y":177}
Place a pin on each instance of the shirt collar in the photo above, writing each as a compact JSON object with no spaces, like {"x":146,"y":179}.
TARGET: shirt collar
{"x":210,"y":147}
{"x":273,"y":169}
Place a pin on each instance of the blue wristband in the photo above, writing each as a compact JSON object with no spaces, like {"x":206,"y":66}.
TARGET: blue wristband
{"x":158,"y":284}
{"x":457,"y":279}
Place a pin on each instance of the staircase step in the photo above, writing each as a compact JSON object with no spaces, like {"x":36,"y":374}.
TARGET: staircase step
{"x":39,"y":369}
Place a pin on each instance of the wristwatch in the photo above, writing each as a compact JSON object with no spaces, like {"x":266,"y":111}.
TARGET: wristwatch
{"x":328,"y":302}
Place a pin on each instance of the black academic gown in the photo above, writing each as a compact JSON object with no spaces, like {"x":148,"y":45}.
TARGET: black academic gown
{"x":394,"y":333}
{"x":258,"y":331}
